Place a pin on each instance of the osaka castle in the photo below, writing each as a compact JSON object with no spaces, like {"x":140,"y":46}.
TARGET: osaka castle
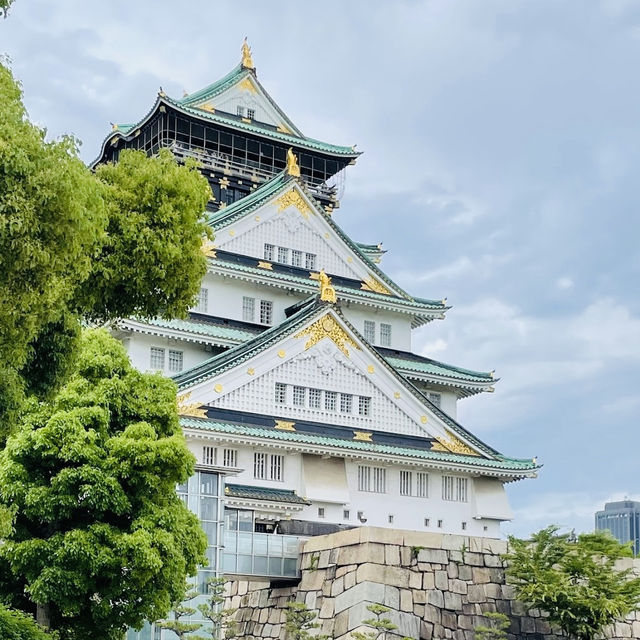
{"x":300,"y":395}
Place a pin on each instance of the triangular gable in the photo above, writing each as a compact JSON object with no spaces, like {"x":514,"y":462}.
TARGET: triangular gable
{"x":283,"y":213}
{"x":240,"y":88}
{"x":317,"y":348}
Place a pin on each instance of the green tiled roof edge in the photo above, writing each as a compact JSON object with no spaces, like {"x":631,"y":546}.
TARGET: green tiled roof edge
{"x":500,"y":462}
{"x":263,"y":493}
{"x":214,"y":88}
{"x":434,"y":366}
{"x":199,"y":328}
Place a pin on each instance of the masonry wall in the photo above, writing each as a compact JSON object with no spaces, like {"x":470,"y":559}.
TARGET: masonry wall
{"x":437,"y":586}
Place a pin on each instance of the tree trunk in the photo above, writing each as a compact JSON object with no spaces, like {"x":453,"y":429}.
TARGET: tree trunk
{"x":43,"y":616}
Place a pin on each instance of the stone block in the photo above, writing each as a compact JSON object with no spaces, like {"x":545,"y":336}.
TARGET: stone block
{"x":623,"y":630}
{"x":323,"y":559}
{"x":312,"y":580}
{"x":392,"y":555}
{"x":635,"y":629}
{"x":332,"y":540}
{"x":493,"y":591}
{"x":263,"y":615}
{"x":508,"y":591}
{"x":391,"y":597}
{"x":452,"y":570}
{"x":365,"y":591}
{"x":406,"y":556}
{"x":452,"y":601}
{"x":426,"y":630}
{"x":544,"y":628}
{"x":432,"y":614}
{"x":437,"y":556}
{"x":422,"y":539}
{"x":480,"y":575}
{"x":454,"y":543}
{"x":341,"y":626}
{"x":381,"y":535}
{"x":340,"y":571}
{"x":449,"y":620}
{"x":464,"y":572}
{"x":458,"y":586}
{"x":518,"y":608}
{"x":415,"y":580}
{"x":337,"y":587}
{"x":327,"y":609}
{"x":442,"y":580}
{"x":407,"y":624}
{"x":436,"y":598}
{"x":492,"y":561}
{"x":428,"y":581}
{"x":419,"y":596}
{"x":349,"y":579}
{"x":395,"y":576}
{"x":360,"y":553}
{"x":418,"y":610}
{"x":406,"y":600}
{"x":258,"y":585}
{"x":474,"y":559}
{"x":497,"y":576}
{"x":475,"y":593}
{"x":310,"y":599}
{"x":527,"y":625}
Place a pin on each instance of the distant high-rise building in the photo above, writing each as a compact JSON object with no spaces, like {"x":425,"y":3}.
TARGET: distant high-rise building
{"x":622,"y":519}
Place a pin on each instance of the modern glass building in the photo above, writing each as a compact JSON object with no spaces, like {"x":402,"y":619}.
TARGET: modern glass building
{"x":622,"y":519}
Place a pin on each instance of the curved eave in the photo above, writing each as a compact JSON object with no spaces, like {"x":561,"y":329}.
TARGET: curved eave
{"x":347,"y":153}
{"x":463,"y":388}
{"x":501,"y":467}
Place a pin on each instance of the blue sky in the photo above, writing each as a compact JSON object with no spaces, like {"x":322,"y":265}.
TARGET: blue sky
{"x":501,"y":156}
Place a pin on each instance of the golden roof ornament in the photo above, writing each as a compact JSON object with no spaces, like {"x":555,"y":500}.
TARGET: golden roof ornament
{"x":327,"y":292}
{"x":293,"y":168}
{"x":247,"y":60}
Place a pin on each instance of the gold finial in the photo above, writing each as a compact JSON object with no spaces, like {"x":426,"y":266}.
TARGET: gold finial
{"x":292,"y":164}
{"x":327,"y":292}
{"x":247,"y":61}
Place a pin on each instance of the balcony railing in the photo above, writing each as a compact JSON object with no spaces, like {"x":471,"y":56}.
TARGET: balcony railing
{"x":261,"y":554}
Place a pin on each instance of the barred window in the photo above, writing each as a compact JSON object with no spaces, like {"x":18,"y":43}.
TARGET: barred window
{"x":422,"y":484}
{"x":248,"y":309}
{"x":299,"y":396}
{"x":346,"y":402}
{"x":315,"y":396}
{"x":406,"y":481}
{"x":268,"y":466}
{"x":461,"y":489}
{"x":275,"y":467}
{"x":310,"y":261}
{"x":379,"y":480}
{"x":175,"y":360}
{"x":330,"y":398}
{"x":157,"y":359}
{"x":260,"y":466}
{"x":372,"y":479}
{"x":364,"y":406}
{"x":296,"y":258}
{"x":203,"y":301}
{"x":385,"y":335}
{"x":269,"y":251}
{"x":251,"y":114}
{"x":283,"y":255}
{"x":454,"y":489}
{"x":208,"y":455}
{"x":281,"y":393}
{"x":266,"y":312}
{"x":229,"y":457}
{"x":435,"y":398}
{"x":364,"y":478}
{"x":370,"y":331}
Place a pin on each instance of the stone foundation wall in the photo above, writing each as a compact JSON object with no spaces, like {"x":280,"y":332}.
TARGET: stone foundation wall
{"x":437,"y":586}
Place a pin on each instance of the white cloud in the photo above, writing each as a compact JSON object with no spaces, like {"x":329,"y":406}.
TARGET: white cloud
{"x":564,"y":282}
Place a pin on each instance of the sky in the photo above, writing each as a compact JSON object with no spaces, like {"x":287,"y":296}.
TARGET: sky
{"x":501,"y":146}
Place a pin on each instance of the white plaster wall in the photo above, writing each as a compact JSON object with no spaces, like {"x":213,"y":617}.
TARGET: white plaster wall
{"x":400,"y":324}
{"x":139,"y":349}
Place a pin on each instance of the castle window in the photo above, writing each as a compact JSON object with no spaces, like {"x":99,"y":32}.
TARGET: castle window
{"x":439,"y":524}
{"x":248,"y":309}
{"x":435,"y":398}
{"x":464,"y":526}
{"x":229,"y":457}
{"x":346,"y":402}
{"x":370,"y":331}
{"x":310,"y":261}
{"x":251,"y":113}
{"x":427,"y":522}
{"x":346,"y":514}
{"x":266,"y":312}
{"x":203,"y":297}
{"x":240,"y":111}
{"x":296,"y":258}
{"x":364,"y":406}
{"x":157,"y":359}
{"x":175,"y":360}
{"x":275,"y":467}
{"x":267,"y":466}
{"x":269,"y":251}
{"x":281,"y":393}
{"x":260,"y":466}
{"x":385,"y":335}
{"x":330,"y":398}
{"x":208,"y":455}
{"x":283,"y":255}
{"x":390,"y":519}
{"x":314,"y":398}
{"x":373,"y":479}
{"x":299,"y":396}
{"x":454,"y":489}
{"x":406,"y":482}
{"x":422,"y":484}
{"x":320,"y":512}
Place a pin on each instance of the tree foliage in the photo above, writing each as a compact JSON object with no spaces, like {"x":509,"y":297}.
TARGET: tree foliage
{"x":222,"y":623}
{"x":15,"y":625}
{"x":74,"y":244}
{"x":496,"y":627}
{"x":301,"y":623}
{"x":574,"y":579}
{"x":4,"y":7}
{"x":100,"y":539}
{"x":182,"y":630}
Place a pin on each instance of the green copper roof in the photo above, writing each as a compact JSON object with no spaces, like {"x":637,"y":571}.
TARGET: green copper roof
{"x":435,"y":368}
{"x":263,"y":493}
{"x":518,"y":466}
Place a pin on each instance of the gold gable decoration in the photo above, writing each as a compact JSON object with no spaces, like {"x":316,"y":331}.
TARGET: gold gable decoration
{"x":186,"y":408}
{"x":208,"y":249}
{"x":293,"y":169}
{"x":247,"y":60}
{"x":293,"y":198}
{"x":453,"y":444}
{"x":369,"y":284}
{"x":327,"y":292}
{"x":327,"y":327}
{"x":247,"y":85}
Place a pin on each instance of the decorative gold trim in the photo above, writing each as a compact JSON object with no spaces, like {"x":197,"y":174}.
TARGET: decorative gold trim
{"x":282,"y":128}
{"x":293,"y":198}
{"x":396,"y":395}
{"x":364,"y":436}
{"x":257,"y":218}
{"x":293,"y":168}
{"x":208,"y":107}
{"x":223,"y":205}
{"x":371,"y":369}
{"x":251,"y":371}
{"x":218,"y":388}
{"x":327,"y":235}
{"x":423,"y":419}
{"x":224,"y":182}
{"x":247,"y":120}
{"x":284,"y":425}
{"x":327,"y":327}
{"x":208,"y":249}
{"x":314,"y":275}
{"x":265,"y":265}
{"x":282,"y":353}
{"x":349,"y":259}
{"x":247,"y":60}
{"x":327,"y":292}
{"x":247,"y":85}
{"x":369,"y":284}
{"x":186,"y":408}
{"x":232,"y":232}
{"x":453,"y":444}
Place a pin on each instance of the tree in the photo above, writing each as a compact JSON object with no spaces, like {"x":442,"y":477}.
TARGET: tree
{"x":4,"y":7}
{"x":183,"y":630}
{"x":221,"y":619}
{"x":300,"y":622}
{"x":496,"y":629}
{"x":15,"y":625}
{"x":380,"y":626}
{"x":573,"y":579}
{"x":100,"y":540}
{"x":74,"y":244}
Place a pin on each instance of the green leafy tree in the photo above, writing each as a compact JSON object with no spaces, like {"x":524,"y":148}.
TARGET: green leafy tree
{"x":180,"y":609}
{"x":300,"y":622}
{"x":122,"y":241}
{"x":100,"y":540}
{"x":574,"y":579}
{"x":221,"y":619}
{"x":16,"y":625}
{"x":496,"y":629}
{"x":4,"y":7}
